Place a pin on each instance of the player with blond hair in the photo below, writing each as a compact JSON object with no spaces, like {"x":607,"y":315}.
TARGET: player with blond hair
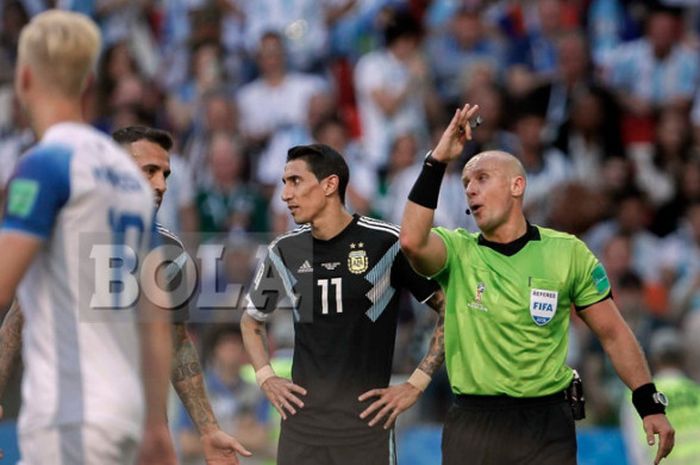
{"x":82,"y":391}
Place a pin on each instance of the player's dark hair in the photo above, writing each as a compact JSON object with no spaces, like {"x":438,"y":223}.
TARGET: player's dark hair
{"x":131,"y":134}
{"x":323,"y":161}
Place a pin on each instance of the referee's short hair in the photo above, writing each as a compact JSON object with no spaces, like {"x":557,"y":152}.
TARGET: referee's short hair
{"x":131,"y":134}
{"x":323,"y":161}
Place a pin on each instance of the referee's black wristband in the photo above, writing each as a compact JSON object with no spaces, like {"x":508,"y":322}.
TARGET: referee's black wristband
{"x":426,"y":190}
{"x":648,"y":401}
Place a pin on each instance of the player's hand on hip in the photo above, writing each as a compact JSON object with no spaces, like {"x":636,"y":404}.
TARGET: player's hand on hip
{"x":157,"y":446}
{"x":282,"y":393}
{"x":392,"y":401}
{"x":659,"y":424}
{"x":458,"y":132}
{"x":221,"y":448}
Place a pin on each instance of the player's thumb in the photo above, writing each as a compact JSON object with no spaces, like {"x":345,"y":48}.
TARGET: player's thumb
{"x":242,"y":450}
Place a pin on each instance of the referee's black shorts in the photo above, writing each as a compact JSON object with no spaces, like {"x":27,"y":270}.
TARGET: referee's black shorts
{"x":501,"y":430}
{"x":293,"y":452}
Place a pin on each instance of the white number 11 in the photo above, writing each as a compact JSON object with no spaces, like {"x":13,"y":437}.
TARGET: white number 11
{"x":338,"y":284}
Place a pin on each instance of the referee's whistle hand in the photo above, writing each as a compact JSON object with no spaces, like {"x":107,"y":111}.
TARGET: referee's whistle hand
{"x":392,"y":401}
{"x":659,"y":424}
{"x":282,"y":394}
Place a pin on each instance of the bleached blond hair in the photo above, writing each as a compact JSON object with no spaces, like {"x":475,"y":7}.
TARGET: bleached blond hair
{"x":62,"y":48}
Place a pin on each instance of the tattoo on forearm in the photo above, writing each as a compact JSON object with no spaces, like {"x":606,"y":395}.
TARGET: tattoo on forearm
{"x":188,"y":381}
{"x":10,"y":344}
{"x":435,"y":357}
{"x":261,"y":332}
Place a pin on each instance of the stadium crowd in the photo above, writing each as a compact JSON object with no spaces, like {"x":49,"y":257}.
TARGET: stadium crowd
{"x":599,"y":99}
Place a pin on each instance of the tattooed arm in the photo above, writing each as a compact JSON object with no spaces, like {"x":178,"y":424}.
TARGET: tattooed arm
{"x":395,"y":399}
{"x":10,"y":344}
{"x":188,"y":381}
{"x":435,"y":357}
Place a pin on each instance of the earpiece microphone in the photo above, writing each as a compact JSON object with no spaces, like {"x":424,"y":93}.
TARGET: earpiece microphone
{"x":468,"y":211}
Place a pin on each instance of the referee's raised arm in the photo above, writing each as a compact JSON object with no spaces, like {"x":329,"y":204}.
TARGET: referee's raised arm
{"x":425,"y":250}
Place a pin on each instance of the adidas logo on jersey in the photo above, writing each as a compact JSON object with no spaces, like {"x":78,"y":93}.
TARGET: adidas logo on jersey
{"x":305,"y":267}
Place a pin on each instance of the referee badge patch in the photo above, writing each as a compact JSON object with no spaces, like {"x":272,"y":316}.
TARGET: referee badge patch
{"x":543,"y":305}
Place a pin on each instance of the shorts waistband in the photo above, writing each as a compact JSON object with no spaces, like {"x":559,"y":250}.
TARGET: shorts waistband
{"x":476,"y":402}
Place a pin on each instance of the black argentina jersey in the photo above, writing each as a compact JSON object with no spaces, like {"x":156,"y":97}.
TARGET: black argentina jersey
{"x":344,"y":335}
{"x":171,"y":277}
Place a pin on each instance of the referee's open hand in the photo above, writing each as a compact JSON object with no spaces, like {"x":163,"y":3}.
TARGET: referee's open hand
{"x":281,"y":393}
{"x":393,"y":400}
{"x":659,"y":424}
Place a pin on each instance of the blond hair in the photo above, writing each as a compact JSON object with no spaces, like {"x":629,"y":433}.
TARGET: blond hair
{"x":62,"y":47}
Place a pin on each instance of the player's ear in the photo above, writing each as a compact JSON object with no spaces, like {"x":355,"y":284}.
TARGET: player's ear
{"x":330,"y":185}
{"x":517,"y":186}
{"x":23,"y":80}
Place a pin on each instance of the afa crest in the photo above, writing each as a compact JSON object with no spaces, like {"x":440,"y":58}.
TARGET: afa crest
{"x":357,"y":260}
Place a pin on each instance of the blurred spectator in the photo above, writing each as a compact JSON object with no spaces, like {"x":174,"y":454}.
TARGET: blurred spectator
{"x":239,"y":405}
{"x":655,"y":71}
{"x":667,"y":356}
{"x":534,"y":56}
{"x":391,"y":89}
{"x":591,"y":206}
{"x":590,"y":136}
{"x":631,"y":218}
{"x":403,"y":155}
{"x":659,"y":166}
{"x":276,"y":99}
{"x":687,"y":188}
{"x":546,"y":167}
{"x":228,"y":203}
{"x":218,"y":114}
{"x":206,"y":76}
{"x":13,"y":17}
{"x":453,"y":49}
{"x":573,"y":76}
{"x":128,"y":21}
{"x":303,"y":23}
{"x":15,"y":139}
{"x":680,"y":261}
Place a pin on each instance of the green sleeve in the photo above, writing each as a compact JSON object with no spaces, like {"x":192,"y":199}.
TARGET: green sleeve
{"x":590,"y":281}
{"x":447,"y":237}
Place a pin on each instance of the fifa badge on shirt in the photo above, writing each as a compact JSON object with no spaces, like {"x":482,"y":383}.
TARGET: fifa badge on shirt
{"x":543,"y":305}
{"x":476,"y":303}
{"x":357,"y":259}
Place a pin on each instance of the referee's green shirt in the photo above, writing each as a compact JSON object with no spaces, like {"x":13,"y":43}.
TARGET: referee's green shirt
{"x":507,"y":309}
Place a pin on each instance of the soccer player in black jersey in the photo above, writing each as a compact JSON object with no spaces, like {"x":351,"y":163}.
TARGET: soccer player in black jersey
{"x":342,"y":273}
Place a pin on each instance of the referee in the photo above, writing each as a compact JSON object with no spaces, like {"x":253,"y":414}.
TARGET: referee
{"x":508,"y":291}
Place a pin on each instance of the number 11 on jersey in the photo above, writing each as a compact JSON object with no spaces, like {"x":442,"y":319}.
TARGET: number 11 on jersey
{"x":337,"y":283}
